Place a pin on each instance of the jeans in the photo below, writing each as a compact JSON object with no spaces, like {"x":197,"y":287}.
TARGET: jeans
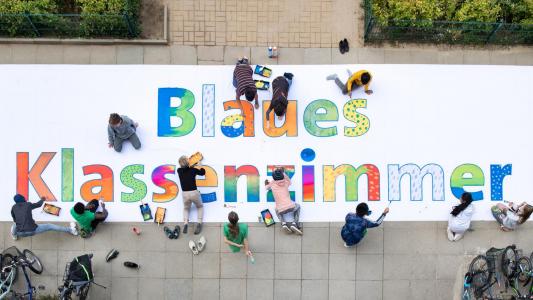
{"x":134,"y":139}
{"x":295,"y":210}
{"x":40,"y":229}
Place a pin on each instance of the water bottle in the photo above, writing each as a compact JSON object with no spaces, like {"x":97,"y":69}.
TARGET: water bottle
{"x":270,"y":52}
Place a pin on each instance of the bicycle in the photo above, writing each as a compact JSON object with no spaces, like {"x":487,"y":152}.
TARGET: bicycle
{"x":10,"y":260}
{"x":482,"y":275}
{"x":522,"y":272}
{"x":77,"y":278}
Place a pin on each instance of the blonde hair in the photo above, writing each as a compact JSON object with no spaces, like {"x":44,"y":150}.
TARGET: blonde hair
{"x":525,"y":214}
{"x":183,"y":161}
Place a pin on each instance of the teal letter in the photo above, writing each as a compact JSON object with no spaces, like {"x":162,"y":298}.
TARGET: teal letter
{"x":166,"y":112}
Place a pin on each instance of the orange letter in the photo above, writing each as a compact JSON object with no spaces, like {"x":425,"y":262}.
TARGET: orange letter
{"x":105,"y":183}
{"x":290,"y":127}
{"x":34,"y":175}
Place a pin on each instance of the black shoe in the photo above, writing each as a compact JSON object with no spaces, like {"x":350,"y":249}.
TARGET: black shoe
{"x":341,"y":46}
{"x":176,"y":232}
{"x":346,"y":45}
{"x":198,"y":228}
{"x":111,"y":255}
{"x":185,"y":228}
{"x":288,"y":75}
{"x":132,"y":265}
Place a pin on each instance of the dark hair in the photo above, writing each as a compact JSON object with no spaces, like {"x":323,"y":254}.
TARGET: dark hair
{"x":280,"y":108}
{"x":362,"y":209}
{"x":79,"y":208}
{"x":466,"y":199}
{"x":114,"y":119}
{"x":365,"y":78}
{"x":249,"y":93}
{"x":233,"y":218}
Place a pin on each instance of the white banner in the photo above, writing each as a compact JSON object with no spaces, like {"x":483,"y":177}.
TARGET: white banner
{"x":428,"y":133}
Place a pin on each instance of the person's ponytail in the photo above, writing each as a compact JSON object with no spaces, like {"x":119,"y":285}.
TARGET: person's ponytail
{"x":233,"y":218}
{"x":466,"y":198}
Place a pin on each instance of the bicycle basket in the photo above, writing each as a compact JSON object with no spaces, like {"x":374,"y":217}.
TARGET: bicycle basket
{"x":80,"y":269}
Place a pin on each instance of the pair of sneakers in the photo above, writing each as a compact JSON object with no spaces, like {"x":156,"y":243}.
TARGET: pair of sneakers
{"x":292,"y":227}
{"x":197,"y":247}
{"x":344,"y":46}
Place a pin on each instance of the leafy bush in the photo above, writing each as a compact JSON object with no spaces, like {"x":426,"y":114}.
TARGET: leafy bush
{"x":123,"y":22}
{"x":509,"y":11}
{"x":479,"y":11}
{"x":98,"y":18}
{"x":389,"y":10}
{"x":16,"y":23}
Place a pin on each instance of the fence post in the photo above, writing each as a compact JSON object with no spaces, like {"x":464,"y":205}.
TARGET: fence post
{"x":369,"y":18}
{"x":127,"y":20}
{"x":32,"y":25}
{"x":489,"y":38}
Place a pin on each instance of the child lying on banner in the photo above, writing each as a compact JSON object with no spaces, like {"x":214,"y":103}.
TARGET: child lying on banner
{"x":356,"y":224}
{"x":512,"y":216}
{"x":360,"y":78}
{"x":284,"y":204}
{"x":280,"y":92}
{"x":244,"y":83}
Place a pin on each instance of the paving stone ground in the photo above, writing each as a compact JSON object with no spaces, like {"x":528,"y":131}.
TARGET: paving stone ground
{"x":400,"y":260}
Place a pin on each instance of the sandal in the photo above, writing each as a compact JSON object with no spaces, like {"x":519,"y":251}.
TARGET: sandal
{"x":176,"y":232}
{"x":192,"y":246}
{"x":201,"y":243}
{"x":168,"y":232}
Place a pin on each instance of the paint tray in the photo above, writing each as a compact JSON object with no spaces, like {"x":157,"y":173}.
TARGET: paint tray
{"x":263,"y":71}
{"x":146,"y":212}
{"x":51,"y":209}
{"x":268,"y":219}
{"x":160,"y":213}
{"x":195,"y":158}
{"x":262,"y":85}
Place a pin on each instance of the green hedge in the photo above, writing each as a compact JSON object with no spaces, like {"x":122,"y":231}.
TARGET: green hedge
{"x":70,"y":18}
{"x":492,"y":11}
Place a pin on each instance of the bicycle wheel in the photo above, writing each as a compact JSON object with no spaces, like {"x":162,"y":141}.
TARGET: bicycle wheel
{"x":479,"y":268}
{"x":509,"y":260}
{"x":523,"y":269}
{"x":34,"y":263}
{"x":84,"y":292}
{"x":7,"y":260}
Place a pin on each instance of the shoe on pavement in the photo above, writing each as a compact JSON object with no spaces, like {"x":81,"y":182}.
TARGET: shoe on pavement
{"x":198,"y":228}
{"x":341,"y":47}
{"x":294,"y":228}
{"x":132,"y":265}
{"x":193,"y":247}
{"x":73,"y":228}
{"x":185,"y":228}
{"x":111,"y":255}
{"x":346,"y":45}
{"x":285,"y":227}
{"x":201,"y":243}
{"x":176,"y":232}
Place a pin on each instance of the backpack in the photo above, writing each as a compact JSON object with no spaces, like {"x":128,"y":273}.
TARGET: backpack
{"x":80,"y":269}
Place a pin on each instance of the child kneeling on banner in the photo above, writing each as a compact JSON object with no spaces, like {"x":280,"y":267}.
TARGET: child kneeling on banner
{"x":284,"y":204}
{"x":356,"y":224}
{"x":280,"y":92}
{"x":359,"y":78}
{"x":512,"y":216}
{"x":88,"y":217}
{"x":460,"y":218}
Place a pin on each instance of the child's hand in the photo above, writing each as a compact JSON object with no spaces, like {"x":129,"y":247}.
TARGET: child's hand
{"x":110,"y":145}
{"x":369,"y":92}
{"x":386,"y":211}
{"x":266,"y":181}
{"x":136,"y":124}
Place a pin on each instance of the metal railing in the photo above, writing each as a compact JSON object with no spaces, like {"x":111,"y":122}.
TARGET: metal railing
{"x":449,"y":32}
{"x":69,"y":25}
